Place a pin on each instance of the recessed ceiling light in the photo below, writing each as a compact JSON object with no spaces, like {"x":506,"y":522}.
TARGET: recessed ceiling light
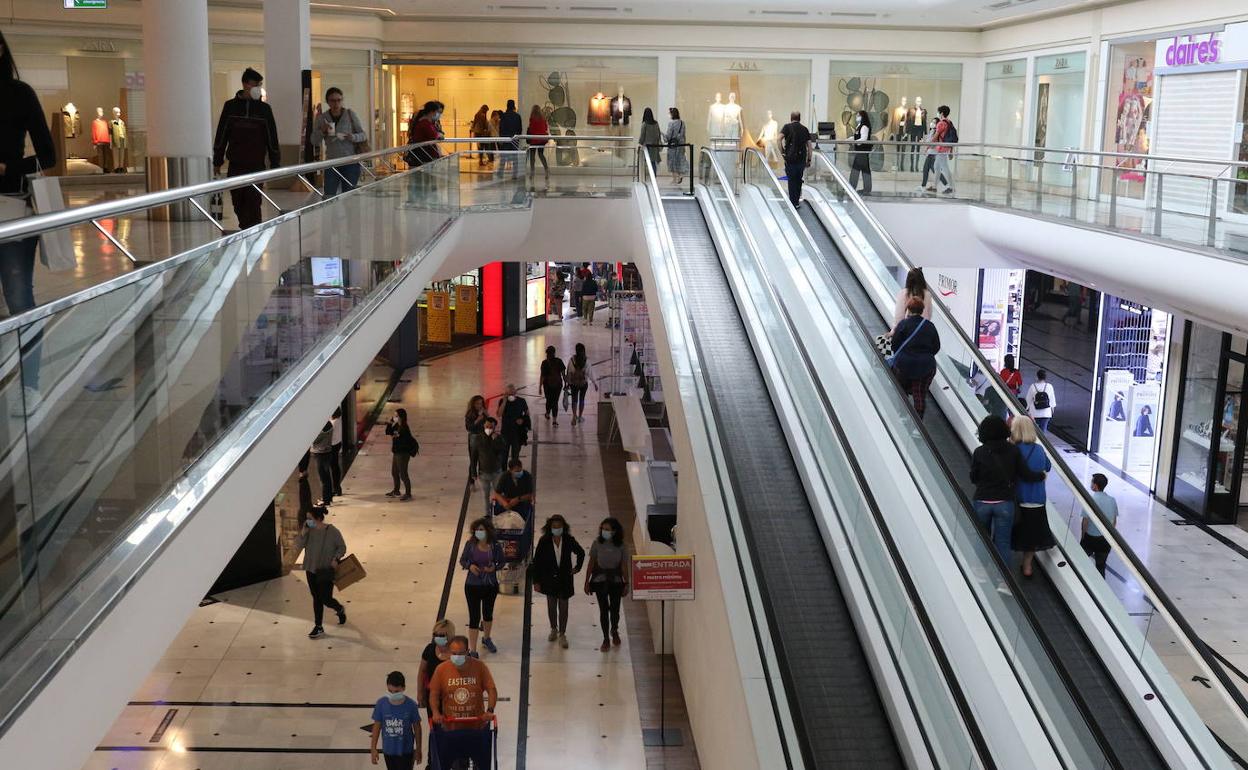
{"x":348,"y":6}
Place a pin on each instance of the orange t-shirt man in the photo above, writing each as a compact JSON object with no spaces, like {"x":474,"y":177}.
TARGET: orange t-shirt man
{"x":456,"y":692}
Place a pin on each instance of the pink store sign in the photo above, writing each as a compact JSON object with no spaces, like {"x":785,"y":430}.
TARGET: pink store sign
{"x":1220,"y":50}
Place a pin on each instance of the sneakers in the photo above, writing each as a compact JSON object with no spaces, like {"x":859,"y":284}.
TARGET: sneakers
{"x":392,"y":493}
{"x":342,"y":617}
{"x":316,"y":633}
{"x":615,"y":638}
{"x":474,"y":654}
{"x":489,"y":644}
{"x":563,"y":641}
{"x":407,"y":496}
{"x":605,"y":646}
{"x":324,"y":503}
{"x":947,"y":191}
{"x":552,"y":636}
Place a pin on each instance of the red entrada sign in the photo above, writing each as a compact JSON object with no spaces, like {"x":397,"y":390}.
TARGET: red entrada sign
{"x":663,"y":578}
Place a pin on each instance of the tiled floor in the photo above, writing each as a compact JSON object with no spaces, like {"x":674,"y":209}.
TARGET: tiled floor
{"x":251,"y":647}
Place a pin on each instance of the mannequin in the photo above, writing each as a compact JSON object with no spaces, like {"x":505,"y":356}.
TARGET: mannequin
{"x":898,"y":132}
{"x":621,"y":108}
{"x":715,"y":117}
{"x":102,"y":140}
{"x":72,"y":120}
{"x":117,"y":132}
{"x":769,"y":136}
{"x":915,"y":128}
{"x":732,"y":113}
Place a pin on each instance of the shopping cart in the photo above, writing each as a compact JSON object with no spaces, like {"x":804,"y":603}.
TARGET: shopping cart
{"x":514,"y":531}
{"x":472,"y":746}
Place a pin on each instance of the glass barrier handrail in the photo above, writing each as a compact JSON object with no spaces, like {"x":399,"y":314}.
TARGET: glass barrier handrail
{"x":1154,"y":594}
{"x":715,"y":178}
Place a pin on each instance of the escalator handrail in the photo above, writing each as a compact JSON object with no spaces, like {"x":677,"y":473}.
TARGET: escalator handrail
{"x":1155,"y":595}
{"x":925,"y":623}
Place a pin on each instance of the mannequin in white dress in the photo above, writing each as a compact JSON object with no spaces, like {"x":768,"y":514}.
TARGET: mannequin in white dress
{"x":715,"y":117}
{"x":732,"y":117}
{"x":769,"y":137}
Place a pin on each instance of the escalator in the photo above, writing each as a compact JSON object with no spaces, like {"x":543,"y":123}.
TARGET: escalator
{"x":1104,"y":702}
{"x":841,"y":719}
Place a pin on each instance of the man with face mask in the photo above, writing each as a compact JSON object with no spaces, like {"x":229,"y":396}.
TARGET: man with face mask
{"x":396,"y":721}
{"x":514,"y":420}
{"x":463,"y":689}
{"x":491,"y":451}
{"x":323,"y":547}
{"x":514,"y":490}
{"x":246,"y":135}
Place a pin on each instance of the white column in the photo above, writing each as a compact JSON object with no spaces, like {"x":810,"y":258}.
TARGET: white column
{"x":667,"y":87}
{"x":820,"y":67}
{"x":179,"y":113}
{"x":287,"y":53}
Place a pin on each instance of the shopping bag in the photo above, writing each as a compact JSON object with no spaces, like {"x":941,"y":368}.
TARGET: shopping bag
{"x":13,"y":207}
{"x":567,"y":397}
{"x":56,"y":250}
{"x":884,"y":344}
{"x":348,"y":572}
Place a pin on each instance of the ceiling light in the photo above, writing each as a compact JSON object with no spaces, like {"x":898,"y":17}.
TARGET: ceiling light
{"x":346,"y":6}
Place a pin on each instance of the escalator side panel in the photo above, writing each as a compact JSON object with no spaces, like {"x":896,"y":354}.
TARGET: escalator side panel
{"x":834,"y":697}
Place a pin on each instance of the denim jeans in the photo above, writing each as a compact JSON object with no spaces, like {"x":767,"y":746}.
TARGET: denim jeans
{"x":1042,"y":424}
{"x":795,"y":172}
{"x":17,"y":278}
{"x":998,"y":519}
{"x":335,"y":184}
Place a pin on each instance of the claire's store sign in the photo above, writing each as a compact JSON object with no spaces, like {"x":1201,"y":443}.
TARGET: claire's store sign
{"x":1226,"y":49}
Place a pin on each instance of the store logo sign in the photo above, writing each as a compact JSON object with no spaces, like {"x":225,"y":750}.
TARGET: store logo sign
{"x":743,"y":66}
{"x":1184,"y":53}
{"x":1007,"y":69}
{"x":1062,"y":63}
{"x":948,"y":286}
{"x":86,"y":3}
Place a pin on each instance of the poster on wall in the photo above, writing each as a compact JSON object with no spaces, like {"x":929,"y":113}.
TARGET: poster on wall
{"x":1000,"y":314}
{"x":465,"y":309}
{"x":438,"y":318}
{"x":1142,"y":419}
{"x":1115,"y":416}
{"x":535,"y":298}
{"x":1135,"y":105}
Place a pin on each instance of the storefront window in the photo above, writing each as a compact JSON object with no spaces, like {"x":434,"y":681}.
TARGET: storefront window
{"x":900,"y":97}
{"x":1200,"y":421}
{"x":1005,"y":93}
{"x":463,"y":88}
{"x":1129,"y":111}
{"x":1240,"y":200}
{"x":1058,"y":121}
{"x":733,"y":101}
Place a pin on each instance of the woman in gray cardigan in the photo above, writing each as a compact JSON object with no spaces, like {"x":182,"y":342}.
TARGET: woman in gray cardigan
{"x":340,"y":131}
{"x":323,"y":548}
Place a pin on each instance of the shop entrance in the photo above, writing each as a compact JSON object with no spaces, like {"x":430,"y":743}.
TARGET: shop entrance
{"x":1059,"y":335}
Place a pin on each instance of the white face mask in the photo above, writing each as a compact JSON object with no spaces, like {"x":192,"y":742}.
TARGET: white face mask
{"x":256,"y":92}
{"x":511,"y":398}
{"x":487,"y":431}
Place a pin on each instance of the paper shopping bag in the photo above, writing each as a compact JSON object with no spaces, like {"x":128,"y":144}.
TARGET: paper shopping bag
{"x":56,"y":250}
{"x":348,"y":572}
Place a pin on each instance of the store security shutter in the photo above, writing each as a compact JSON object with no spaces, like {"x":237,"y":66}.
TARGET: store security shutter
{"x":1196,"y":119}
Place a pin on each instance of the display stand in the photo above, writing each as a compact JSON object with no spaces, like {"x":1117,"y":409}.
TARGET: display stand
{"x":634,"y":360}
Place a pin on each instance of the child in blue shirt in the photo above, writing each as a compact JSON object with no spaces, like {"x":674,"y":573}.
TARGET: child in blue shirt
{"x":396,"y":720}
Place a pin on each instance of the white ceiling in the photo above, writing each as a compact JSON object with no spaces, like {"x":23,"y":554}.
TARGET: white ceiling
{"x":948,"y":14}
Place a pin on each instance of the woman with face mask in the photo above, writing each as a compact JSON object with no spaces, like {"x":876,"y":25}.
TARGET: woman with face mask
{"x":482,"y":557}
{"x":474,"y":423}
{"x":552,"y":573}
{"x":323,"y":548}
{"x":437,"y":652}
{"x":861,"y":163}
{"x":607,"y":578}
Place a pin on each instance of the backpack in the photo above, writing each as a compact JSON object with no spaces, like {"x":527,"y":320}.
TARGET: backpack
{"x":1041,"y":401}
{"x":577,"y":375}
{"x":951,"y":133}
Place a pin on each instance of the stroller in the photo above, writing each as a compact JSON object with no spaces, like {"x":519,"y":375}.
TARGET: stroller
{"x":464,"y":749}
{"x":515,"y":534}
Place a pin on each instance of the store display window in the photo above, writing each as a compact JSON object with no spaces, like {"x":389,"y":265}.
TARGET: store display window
{"x":1239,"y":200}
{"x":727,"y":102}
{"x":462,"y":87}
{"x":900,"y":97}
{"x":1132,"y":363}
{"x":592,"y":95}
{"x":1058,"y":101}
{"x":1005,"y":94}
{"x":1128,"y":113}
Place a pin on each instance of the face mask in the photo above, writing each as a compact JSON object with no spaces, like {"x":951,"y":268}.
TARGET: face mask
{"x":556,"y":531}
{"x":440,"y":641}
{"x":606,"y":535}
{"x":256,"y":92}
{"x":511,"y":398}
{"x":311,"y":523}
{"x":480,"y":533}
{"x":459,"y":660}
{"x":487,"y":431}
{"x":517,"y":476}
{"x":395,"y":697}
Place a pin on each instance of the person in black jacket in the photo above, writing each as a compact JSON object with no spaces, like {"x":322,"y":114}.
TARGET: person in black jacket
{"x":402,"y":446}
{"x":22,"y":116}
{"x":510,"y":125}
{"x":514,"y":420}
{"x":915,"y":345}
{"x":246,"y":135}
{"x":474,"y":420}
{"x":552,"y":573}
{"x":996,"y":466}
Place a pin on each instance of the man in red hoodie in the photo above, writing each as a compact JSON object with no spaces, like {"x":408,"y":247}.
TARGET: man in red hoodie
{"x":246,"y":135}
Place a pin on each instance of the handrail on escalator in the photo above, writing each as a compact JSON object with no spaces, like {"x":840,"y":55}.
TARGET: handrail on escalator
{"x":1154,"y":593}
{"x":710,"y":167}
{"x":861,"y":327}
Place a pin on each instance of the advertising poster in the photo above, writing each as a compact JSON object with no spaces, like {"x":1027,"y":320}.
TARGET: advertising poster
{"x":1135,"y":106}
{"x":438,"y":318}
{"x":465,"y":309}
{"x":1115,"y":403}
{"x":536,"y":298}
{"x":1142,"y":420}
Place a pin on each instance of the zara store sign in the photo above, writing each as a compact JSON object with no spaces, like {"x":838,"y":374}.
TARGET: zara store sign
{"x":1224,"y":50}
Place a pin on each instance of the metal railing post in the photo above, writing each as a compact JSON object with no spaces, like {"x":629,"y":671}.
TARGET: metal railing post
{"x":1113,"y":199}
{"x":1074,"y":191}
{"x":1009,"y":183}
{"x":983,"y":177}
{"x":1040,"y":186}
{"x":1158,"y":207}
{"x":1211,"y":235}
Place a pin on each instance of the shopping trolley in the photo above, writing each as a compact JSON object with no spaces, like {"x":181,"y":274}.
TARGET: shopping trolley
{"x":473,"y":746}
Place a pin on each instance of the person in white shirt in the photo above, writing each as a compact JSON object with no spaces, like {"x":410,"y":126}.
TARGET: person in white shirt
{"x":1093,"y":540}
{"x":335,"y":453}
{"x":1041,"y":412}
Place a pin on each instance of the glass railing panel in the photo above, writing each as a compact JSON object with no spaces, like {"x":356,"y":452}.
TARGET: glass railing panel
{"x":1143,"y":629}
{"x":982,"y":572}
{"x":909,"y":640}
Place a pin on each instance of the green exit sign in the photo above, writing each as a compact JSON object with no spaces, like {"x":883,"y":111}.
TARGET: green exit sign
{"x":86,"y":3}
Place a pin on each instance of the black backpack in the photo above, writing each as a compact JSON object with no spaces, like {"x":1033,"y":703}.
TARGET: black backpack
{"x":951,"y":134}
{"x":1041,"y":401}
